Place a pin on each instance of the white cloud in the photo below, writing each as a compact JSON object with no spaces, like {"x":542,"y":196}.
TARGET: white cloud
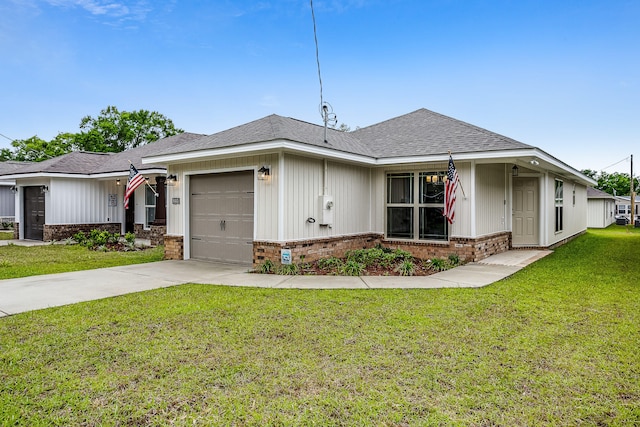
{"x":114,"y":9}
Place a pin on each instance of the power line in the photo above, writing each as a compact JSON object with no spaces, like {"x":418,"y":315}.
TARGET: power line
{"x":6,"y":137}
{"x":315,"y":37}
{"x":618,"y":162}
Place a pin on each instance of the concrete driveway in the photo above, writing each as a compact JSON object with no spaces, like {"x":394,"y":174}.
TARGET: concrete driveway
{"x":37,"y":292}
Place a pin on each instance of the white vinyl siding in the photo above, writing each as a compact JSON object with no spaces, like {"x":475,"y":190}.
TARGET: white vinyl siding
{"x":600,"y":213}
{"x":266,"y":196}
{"x":491,"y":184}
{"x":348,"y":185}
{"x":82,"y":201}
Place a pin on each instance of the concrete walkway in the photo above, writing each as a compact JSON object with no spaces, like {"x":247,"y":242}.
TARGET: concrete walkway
{"x":37,"y":292}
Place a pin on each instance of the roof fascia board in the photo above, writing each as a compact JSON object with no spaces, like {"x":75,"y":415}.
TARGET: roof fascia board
{"x":81,"y":176}
{"x":275,"y":145}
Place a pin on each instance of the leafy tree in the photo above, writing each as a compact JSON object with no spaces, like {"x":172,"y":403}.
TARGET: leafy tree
{"x":5,"y":155}
{"x":112,"y":131}
{"x":613,"y":183}
{"x":36,"y":149}
{"x":115,"y":131}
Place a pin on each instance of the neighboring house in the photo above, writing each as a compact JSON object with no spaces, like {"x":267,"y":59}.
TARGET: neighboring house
{"x":623,"y":206}
{"x":601,"y":208}
{"x":81,"y":191}
{"x":249,"y":193}
{"x":7,"y":192}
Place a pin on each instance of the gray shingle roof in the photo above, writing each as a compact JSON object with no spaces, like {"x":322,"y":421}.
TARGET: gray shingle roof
{"x":594,"y":193}
{"x":86,"y":163}
{"x":272,"y":128}
{"x":425,"y":132}
{"x":11,"y":166}
{"x":421,"y":132}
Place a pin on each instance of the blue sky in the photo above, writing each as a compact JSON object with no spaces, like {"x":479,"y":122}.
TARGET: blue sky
{"x":560,"y":75}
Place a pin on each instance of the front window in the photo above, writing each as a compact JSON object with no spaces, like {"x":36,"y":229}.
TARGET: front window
{"x":149,"y":205}
{"x":416,"y":218}
{"x":559,"y":200}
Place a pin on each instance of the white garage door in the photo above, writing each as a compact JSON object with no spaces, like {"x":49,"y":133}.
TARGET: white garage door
{"x":221,"y":217}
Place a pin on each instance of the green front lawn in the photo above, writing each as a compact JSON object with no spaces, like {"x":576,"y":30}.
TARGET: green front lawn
{"x":556,"y":344}
{"x":6,"y":235}
{"x":21,"y":261}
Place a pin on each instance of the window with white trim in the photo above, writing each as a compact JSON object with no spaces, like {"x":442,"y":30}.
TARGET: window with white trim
{"x":149,"y":205}
{"x":415,"y":206}
{"x":559,"y":201}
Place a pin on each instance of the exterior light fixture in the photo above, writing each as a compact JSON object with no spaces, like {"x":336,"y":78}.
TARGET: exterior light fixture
{"x":514,"y":170}
{"x":171,"y":180}
{"x":534,"y":162}
{"x":14,"y":189}
{"x":263,"y":173}
{"x":118,"y":181}
{"x":44,"y":189}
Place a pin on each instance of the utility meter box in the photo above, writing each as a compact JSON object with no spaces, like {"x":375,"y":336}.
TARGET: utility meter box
{"x":326,"y":210}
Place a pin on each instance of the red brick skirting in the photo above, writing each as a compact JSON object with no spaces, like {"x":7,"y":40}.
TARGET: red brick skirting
{"x":467,"y":249}
{"x":155,"y":233}
{"x":311,"y":250}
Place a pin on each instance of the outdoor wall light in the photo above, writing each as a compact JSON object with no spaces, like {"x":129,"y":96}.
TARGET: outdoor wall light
{"x":514,"y":170}
{"x":117,"y":182}
{"x":534,"y":162}
{"x":263,"y":173}
{"x":44,"y":189}
{"x":14,"y":189}
{"x":171,"y":180}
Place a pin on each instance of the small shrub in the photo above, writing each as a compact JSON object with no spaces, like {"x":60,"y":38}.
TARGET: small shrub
{"x":130,"y":238}
{"x":352,"y":268}
{"x":439,"y":264}
{"x":406,"y":268}
{"x":267,"y":267}
{"x":80,"y":238}
{"x":330,"y":263}
{"x":400,"y":254}
{"x":288,"y":270}
{"x":454,"y":260}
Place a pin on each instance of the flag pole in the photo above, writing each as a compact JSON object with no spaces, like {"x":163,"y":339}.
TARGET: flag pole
{"x":146,"y":181}
{"x":459,"y":183}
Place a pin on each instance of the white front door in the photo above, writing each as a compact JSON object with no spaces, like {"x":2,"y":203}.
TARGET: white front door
{"x":525,"y":212}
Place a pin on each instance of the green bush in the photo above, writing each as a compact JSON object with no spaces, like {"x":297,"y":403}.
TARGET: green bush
{"x":406,"y":268}
{"x":330,"y":263}
{"x":352,"y":268}
{"x":439,"y":264}
{"x":288,"y":270}
{"x":267,"y":267}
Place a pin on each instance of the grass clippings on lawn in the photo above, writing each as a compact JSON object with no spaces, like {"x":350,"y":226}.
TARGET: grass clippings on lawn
{"x":556,"y":344}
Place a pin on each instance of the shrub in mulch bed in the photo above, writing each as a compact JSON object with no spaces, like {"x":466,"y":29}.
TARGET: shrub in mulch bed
{"x":378,"y":261}
{"x":101,"y":240}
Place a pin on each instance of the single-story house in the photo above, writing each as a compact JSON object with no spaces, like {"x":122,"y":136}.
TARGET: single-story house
{"x":80,"y":191}
{"x":601,"y":208}
{"x":279,"y":186}
{"x":623,"y":206}
{"x":7,"y":192}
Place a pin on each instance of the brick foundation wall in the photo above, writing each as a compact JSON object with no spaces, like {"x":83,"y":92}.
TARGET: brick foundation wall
{"x":16,"y":230}
{"x":313,"y":250}
{"x":156,"y":234}
{"x":64,"y":231}
{"x":467,"y":249}
{"x":173,"y":247}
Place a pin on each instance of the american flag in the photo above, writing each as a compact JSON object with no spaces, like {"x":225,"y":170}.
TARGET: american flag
{"x":135,"y":180}
{"x":450,"y":188}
